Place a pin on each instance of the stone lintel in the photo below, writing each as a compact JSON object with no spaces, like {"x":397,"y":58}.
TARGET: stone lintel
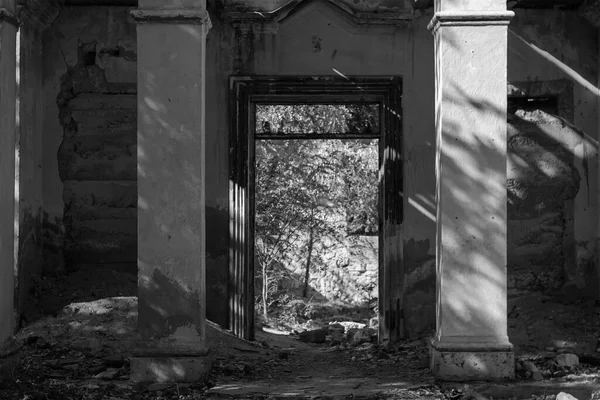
{"x":170,"y":369}
{"x":469,"y":18}
{"x":472,"y":365}
{"x":9,"y":17}
{"x":172,"y":16}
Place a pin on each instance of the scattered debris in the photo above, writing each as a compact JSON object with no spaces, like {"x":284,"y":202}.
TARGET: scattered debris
{"x":567,"y":360}
{"x":536,"y":375}
{"x":107,"y":375}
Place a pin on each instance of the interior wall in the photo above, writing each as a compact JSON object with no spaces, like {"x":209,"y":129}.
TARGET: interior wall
{"x":549,"y":47}
{"x":89,"y":139}
{"x":318,"y":40}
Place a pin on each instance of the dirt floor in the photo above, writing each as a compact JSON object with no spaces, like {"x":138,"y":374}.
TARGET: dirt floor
{"x":78,"y":345}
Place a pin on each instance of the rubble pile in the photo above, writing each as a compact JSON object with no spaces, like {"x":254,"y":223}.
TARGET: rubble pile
{"x":562,"y":365}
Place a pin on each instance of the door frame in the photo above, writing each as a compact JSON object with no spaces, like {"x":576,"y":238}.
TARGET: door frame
{"x":244,"y":92}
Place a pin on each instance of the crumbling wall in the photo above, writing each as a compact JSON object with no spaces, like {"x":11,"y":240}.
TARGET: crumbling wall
{"x":90,"y":191}
{"x":542,"y":183}
{"x":554,"y":54}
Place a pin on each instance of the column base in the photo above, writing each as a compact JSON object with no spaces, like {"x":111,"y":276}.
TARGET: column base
{"x":170,"y":369}
{"x":471,"y":365}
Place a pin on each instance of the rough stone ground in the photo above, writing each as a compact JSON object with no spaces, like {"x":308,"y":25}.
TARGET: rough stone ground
{"x":82,"y":352}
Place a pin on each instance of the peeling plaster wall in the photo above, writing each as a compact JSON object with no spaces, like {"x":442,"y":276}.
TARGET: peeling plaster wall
{"x":90,"y":194}
{"x":542,"y":183}
{"x":545,"y":48}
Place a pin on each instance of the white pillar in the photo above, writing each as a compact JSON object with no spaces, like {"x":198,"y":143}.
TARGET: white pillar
{"x":8,"y":92}
{"x":171,"y":40}
{"x":471,"y":340}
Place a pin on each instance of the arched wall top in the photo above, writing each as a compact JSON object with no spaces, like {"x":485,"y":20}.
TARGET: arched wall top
{"x":286,"y":12}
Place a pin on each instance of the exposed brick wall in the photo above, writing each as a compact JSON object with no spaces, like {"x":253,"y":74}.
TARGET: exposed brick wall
{"x":542,"y":183}
{"x":98,"y":166}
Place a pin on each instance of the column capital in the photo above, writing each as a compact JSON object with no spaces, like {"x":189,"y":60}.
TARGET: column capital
{"x":469,"y":18}
{"x":172,"y":16}
{"x":9,"y":17}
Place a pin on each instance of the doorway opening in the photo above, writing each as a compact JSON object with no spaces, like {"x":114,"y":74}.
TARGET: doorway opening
{"x":316,"y":217}
{"x":316,"y":203}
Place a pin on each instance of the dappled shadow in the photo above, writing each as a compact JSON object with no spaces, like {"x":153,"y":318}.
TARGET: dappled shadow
{"x":171,"y":187}
{"x":472,"y":246}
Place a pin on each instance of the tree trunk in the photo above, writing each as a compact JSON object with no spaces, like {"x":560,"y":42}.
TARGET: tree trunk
{"x":308,"y":259}
{"x":265,"y":289}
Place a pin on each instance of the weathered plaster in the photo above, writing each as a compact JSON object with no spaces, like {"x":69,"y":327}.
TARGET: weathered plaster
{"x":171,"y":234}
{"x":90,"y":52}
{"x":542,"y":182}
{"x":535,"y":57}
{"x":472,"y":365}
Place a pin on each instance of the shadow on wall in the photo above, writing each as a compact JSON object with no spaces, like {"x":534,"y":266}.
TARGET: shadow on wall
{"x":533,"y":46}
{"x":542,"y":179}
{"x":97,"y":163}
{"x":171,"y":182}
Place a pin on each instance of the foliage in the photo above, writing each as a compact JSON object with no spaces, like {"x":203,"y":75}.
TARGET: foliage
{"x":308,"y":190}
{"x":317,"y":118}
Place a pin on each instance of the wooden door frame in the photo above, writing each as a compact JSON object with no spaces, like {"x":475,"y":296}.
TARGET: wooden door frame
{"x":244,"y":90}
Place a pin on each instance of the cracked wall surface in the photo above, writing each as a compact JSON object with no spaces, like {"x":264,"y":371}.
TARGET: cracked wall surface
{"x":541,"y":66}
{"x":542,"y":183}
{"x":90,"y":192}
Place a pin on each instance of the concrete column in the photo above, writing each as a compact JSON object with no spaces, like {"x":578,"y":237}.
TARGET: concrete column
{"x":171,"y":191}
{"x":8,"y":93}
{"x":471,"y":340}
{"x":35,"y":16}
